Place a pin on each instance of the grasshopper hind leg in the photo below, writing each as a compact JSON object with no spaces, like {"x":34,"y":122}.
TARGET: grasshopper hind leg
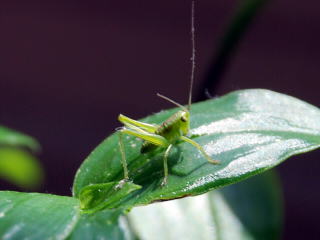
{"x":125,"y":165}
{"x":153,"y":139}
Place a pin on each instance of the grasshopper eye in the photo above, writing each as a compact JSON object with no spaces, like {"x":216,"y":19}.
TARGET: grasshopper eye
{"x":183,"y":119}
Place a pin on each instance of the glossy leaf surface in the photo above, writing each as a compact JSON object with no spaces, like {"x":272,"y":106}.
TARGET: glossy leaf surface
{"x":43,"y":216}
{"x":248,"y":131}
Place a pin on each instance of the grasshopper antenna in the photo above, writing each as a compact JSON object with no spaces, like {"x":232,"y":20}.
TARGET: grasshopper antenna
{"x":193,"y":65}
{"x":193,"y":56}
{"x":174,"y":102}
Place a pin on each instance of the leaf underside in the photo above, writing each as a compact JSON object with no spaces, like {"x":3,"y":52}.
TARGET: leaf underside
{"x":251,"y":209}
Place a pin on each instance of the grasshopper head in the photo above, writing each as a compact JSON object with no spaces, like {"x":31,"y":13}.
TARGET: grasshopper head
{"x":184,"y":119}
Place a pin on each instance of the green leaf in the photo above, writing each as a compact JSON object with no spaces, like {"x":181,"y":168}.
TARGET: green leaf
{"x":251,"y":209}
{"x":9,"y":137}
{"x":248,"y":131}
{"x":42,"y":216}
{"x":36,"y":216}
{"x":20,"y":168}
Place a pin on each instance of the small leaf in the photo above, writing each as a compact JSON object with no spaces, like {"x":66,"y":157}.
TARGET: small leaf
{"x":248,"y":131}
{"x":20,"y":168}
{"x":9,"y":137}
{"x":106,"y":195}
{"x":36,"y":216}
{"x":17,"y":166}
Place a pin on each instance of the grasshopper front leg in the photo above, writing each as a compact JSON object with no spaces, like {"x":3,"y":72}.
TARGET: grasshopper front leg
{"x":123,"y":158}
{"x":165,"y":165}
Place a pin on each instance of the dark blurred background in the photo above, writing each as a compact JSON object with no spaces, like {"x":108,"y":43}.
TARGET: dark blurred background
{"x":68,"y":68}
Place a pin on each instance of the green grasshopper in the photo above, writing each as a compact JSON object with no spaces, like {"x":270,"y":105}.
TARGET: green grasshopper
{"x":172,"y":131}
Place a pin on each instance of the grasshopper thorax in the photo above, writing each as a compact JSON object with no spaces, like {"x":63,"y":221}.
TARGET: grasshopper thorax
{"x":175,"y":126}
